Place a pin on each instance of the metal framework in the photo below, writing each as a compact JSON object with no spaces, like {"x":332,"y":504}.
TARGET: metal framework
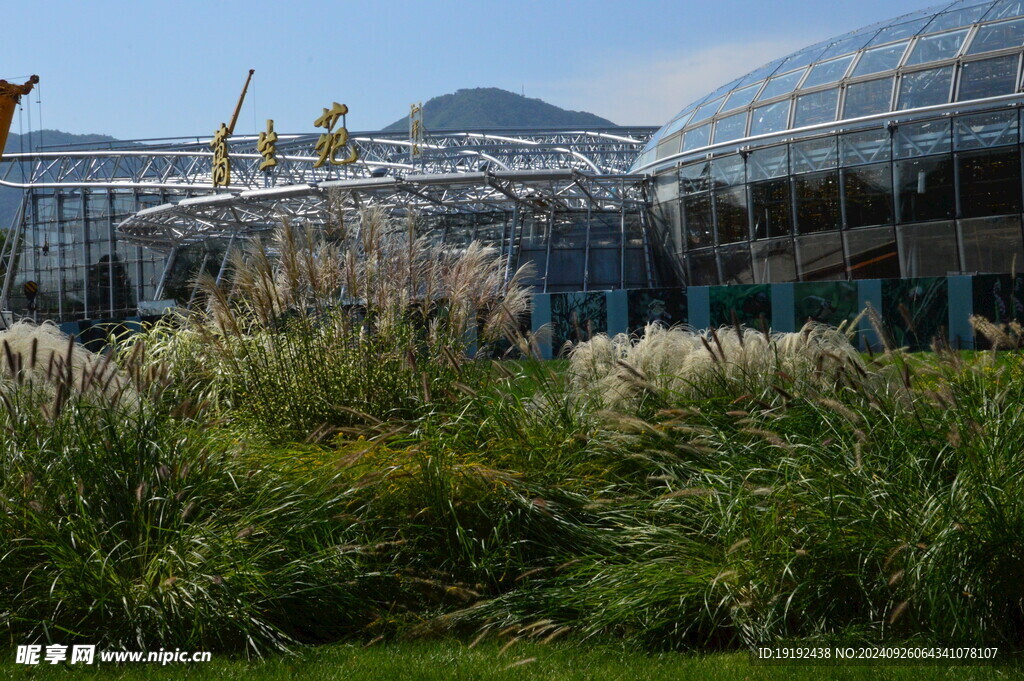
{"x":223,"y":215}
{"x":185,"y":165}
{"x":156,"y":197}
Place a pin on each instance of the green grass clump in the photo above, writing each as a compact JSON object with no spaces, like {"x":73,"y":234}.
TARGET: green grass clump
{"x":126,"y":524}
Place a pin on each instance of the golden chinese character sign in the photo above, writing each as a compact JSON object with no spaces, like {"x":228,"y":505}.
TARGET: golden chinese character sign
{"x":267,"y":146}
{"x":415,"y":130}
{"x":333,"y":142}
{"x":221,"y":169}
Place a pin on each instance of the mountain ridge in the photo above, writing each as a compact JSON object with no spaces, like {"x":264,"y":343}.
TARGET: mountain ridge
{"x":493,"y":107}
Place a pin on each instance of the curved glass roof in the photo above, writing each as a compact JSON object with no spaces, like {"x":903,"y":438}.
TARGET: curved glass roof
{"x":953,"y":52}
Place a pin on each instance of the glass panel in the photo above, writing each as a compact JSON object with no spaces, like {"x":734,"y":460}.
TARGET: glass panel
{"x":741,"y":97}
{"x":705,"y":111}
{"x":864,"y":147}
{"x":759,"y":73}
{"x":924,"y":189}
{"x":731,"y":213}
{"x":879,"y":59}
{"x":865,"y":99}
{"x":604,"y":267}
{"x":867,"y":191}
{"x":925,"y":88}
{"x":905,"y":30}
{"x":817,"y":202}
{"x":850,"y":44}
{"x":958,"y":17}
{"x":669,"y":145}
{"x":697,"y":138}
{"x":771,"y":118}
{"x":922,"y":139}
{"x":697,"y":212}
{"x":774,"y":261}
{"x":728,"y":87}
{"x":821,"y":257}
{"x":985,"y":130}
{"x":819,"y":154}
{"x":727,"y":170}
{"x":991,"y":244}
{"x":803,"y":58}
{"x":666,"y":187}
{"x":988,"y":78}
{"x":695,"y":177}
{"x":990,"y":182}
{"x":871,"y":253}
{"x":937,"y":47}
{"x":1004,"y":9}
{"x":642,"y":160}
{"x":780,"y":85}
{"x":676,"y":125}
{"x":703,"y":269}
{"x":767,"y":163}
{"x":927,"y":250}
{"x":818,"y":107}
{"x":770,"y":206}
{"x":731,"y":127}
{"x":735,"y":264}
{"x":565,"y":270}
{"x":997,"y":36}
{"x":827,"y":72}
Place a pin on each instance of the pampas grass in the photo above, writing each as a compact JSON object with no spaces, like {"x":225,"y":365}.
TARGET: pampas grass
{"x":43,"y":355}
{"x":364,"y":322}
{"x":679,"y":360}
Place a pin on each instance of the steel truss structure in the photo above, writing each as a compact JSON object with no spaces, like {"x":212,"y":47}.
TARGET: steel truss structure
{"x":185,"y":166}
{"x":243,"y":213}
{"x":95,"y":218}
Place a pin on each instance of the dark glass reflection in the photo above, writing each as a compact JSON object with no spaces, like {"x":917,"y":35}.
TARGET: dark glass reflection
{"x":867,"y":191}
{"x":702,"y":267}
{"x":735,"y":262}
{"x":821,"y":257}
{"x":992,"y":244}
{"x":770,"y":208}
{"x":924,"y":188}
{"x":927,"y":250}
{"x":774,"y":261}
{"x":731,"y":214}
{"x":817,"y":202}
{"x":697,"y":214}
{"x":990,"y":182}
{"x":871,"y":253}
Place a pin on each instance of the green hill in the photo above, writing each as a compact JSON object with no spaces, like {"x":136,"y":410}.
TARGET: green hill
{"x":11,"y":197}
{"x":490,"y":107}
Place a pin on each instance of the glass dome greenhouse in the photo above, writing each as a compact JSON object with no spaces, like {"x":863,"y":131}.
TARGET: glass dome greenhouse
{"x":893,"y":151}
{"x":954,"y":52}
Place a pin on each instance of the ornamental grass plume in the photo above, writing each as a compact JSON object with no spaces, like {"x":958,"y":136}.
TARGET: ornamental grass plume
{"x":1001,"y":336}
{"x":680,"y":360}
{"x":43,"y":356}
{"x":360,"y":322}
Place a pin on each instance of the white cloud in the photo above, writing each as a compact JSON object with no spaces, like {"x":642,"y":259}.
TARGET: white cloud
{"x":650,"y":92}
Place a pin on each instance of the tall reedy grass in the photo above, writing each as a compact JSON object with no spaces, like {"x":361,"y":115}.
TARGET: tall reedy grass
{"x":125,"y":523}
{"x":359,"y":324}
{"x":763,"y":496}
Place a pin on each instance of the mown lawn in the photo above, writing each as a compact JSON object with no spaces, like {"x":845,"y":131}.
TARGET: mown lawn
{"x":450,"y":660}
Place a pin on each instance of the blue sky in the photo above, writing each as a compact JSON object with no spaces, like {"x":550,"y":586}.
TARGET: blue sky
{"x":157,"y":69}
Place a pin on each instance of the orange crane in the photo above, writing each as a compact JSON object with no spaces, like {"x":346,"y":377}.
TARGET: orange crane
{"x":10,"y":94}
